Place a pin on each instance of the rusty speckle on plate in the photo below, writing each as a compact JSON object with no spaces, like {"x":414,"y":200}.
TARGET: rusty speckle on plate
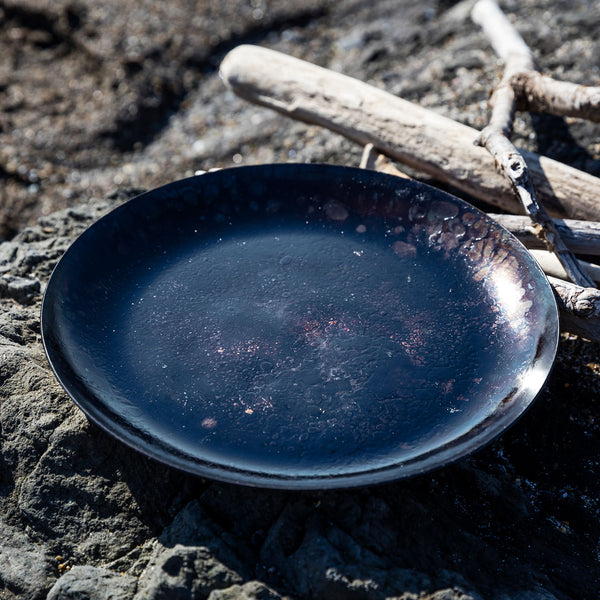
{"x":404,"y":249}
{"x":336,"y":211}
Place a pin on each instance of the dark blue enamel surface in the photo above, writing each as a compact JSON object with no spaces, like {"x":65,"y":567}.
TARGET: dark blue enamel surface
{"x":300,"y":326}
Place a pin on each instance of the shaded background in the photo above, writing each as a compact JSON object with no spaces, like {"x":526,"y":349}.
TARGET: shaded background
{"x":99,"y":99}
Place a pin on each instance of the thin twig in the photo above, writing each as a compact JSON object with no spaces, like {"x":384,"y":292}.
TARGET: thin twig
{"x":542,"y":94}
{"x":533,"y":91}
{"x":368,"y":158}
{"x":495,"y":137}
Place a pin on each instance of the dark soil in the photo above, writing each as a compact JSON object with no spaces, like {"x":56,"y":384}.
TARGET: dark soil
{"x":100,"y":98}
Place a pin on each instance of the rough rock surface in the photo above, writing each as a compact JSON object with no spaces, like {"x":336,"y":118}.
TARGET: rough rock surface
{"x":91,"y":582}
{"x":122,"y":94}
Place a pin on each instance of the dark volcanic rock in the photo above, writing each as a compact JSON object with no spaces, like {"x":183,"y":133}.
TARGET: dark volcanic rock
{"x":124,"y":94}
{"x":24,"y":565}
{"x":89,"y":582}
{"x":191,"y":558}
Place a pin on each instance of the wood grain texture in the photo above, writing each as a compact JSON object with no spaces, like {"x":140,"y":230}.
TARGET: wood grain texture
{"x":415,"y":136}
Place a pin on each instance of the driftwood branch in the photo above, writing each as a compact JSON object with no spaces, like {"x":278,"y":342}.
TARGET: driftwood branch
{"x":543,"y":94}
{"x":371,"y":159}
{"x":582,"y":237}
{"x":402,"y":130}
{"x":579,"y":308}
{"x":551,"y":266}
{"x":495,"y":137}
{"x":534,"y":91}
{"x":524,"y":88}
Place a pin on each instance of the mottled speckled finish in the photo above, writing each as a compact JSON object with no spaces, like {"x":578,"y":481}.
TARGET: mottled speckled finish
{"x":300,"y":326}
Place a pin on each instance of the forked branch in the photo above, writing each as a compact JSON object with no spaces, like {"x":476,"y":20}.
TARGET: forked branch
{"x":495,"y":137}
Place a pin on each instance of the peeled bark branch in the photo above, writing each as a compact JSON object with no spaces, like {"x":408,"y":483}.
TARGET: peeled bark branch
{"x":579,"y":308}
{"x":582,"y":237}
{"x":516,"y":170}
{"x":505,"y":39}
{"x":517,"y":57}
{"x":402,"y":130}
{"x":540,"y":93}
{"x":533,"y":91}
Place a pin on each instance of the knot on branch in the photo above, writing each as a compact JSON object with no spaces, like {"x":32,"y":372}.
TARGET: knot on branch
{"x":581,"y":302}
{"x":542,"y":234}
{"x":515,"y":166}
{"x":587,"y":302}
{"x":481,"y":139}
{"x":506,"y":156}
{"x":523,"y":86}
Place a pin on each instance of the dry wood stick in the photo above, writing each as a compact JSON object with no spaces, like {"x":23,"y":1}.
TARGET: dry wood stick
{"x":534,"y":91}
{"x":402,"y":130}
{"x":496,"y":136}
{"x":551,"y":266}
{"x":371,"y":159}
{"x":579,"y":308}
{"x":583,"y":237}
{"x":543,"y":94}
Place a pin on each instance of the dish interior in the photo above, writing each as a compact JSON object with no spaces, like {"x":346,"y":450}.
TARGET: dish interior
{"x":300,"y":325}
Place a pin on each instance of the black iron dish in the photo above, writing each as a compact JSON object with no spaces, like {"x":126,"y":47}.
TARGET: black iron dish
{"x":300,"y":326}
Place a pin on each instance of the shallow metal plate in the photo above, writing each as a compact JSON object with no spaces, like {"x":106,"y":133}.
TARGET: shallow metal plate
{"x":300,"y":326}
